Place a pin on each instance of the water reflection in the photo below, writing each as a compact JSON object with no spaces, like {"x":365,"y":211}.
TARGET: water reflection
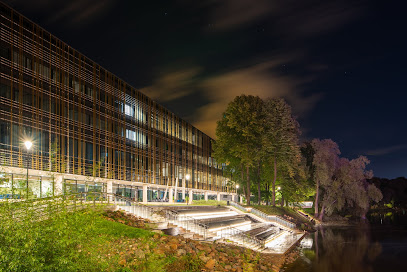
{"x":340,"y":250}
{"x":353,"y":249}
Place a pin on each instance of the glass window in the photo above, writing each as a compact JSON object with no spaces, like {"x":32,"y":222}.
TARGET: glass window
{"x":5,"y":91}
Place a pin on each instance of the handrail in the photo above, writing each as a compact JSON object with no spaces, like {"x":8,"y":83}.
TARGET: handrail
{"x":233,"y":232}
{"x":238,"y":206}
{"x":187,"y":222}
{"x":271,"y":218}
{"x":40,"y":207}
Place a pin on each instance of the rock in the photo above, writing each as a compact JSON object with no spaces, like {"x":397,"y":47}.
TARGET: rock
{"x":204,"y":258}
{"x":159,"y":251}
{"x":210,"y":264}
{"x":139,"y":254}
{"x":122,"y":262}
{"x":173,"y":246}
{"x":181,"y":252}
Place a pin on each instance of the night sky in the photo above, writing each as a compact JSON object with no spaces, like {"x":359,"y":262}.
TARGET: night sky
{"x":340,"y":64}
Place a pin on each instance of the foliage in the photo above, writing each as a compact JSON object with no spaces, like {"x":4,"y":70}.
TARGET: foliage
{"x":280,"y":145}
{"x":238,"y":136}
{"x":342,"y":182}
{"x":56,"y":241}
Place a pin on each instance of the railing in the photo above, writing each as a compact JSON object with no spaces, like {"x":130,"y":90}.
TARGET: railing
{"x":187,"y":222}
{"x":40,"y":208}
{"x":270,"y":218}
{"x":274,"y":218}
{"x":238,"y":206}
{"x":133,"y":206}
{"x":239,"y":236}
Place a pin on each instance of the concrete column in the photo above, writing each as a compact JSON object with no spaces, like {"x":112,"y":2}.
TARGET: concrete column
{"x":183,"y":188}
{"x":109,"y":190}
{"x":171,"y":196}
{"x":145,"y":194}
{"x":206,"y":196}
{"x":191,"y":196}
{"x":58,"y":185}
{"x":218,"y":196}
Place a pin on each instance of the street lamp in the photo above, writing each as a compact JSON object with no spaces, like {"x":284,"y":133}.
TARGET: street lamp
{"x":28,"y":145}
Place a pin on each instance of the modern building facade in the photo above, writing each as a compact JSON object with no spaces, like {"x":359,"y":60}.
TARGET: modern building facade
{"x":90,"y":130}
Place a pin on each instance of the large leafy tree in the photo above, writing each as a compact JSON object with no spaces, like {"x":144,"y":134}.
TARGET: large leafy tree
{"x":239,"y":136}
{"x":280,"y":141}
{"x":325,"y":160}
{"x":341,"y":181}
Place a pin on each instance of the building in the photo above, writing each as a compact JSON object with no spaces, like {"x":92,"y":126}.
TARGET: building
{"x":91,"y":131}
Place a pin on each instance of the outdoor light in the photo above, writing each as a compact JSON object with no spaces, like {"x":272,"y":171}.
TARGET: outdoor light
{"x":278,"y":188}
{"x":28,"y":144}
{"x":187,"y":176}
{"x":237,"y":186}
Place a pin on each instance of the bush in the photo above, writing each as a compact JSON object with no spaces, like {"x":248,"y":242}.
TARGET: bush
{"x":47,"y":236}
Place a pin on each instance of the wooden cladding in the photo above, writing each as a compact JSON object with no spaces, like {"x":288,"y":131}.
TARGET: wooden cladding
{"x":85,"y":120}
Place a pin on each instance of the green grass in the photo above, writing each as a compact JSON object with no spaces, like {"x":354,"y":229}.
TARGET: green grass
{"x":60,"y":241}
{"x":209,"y":203}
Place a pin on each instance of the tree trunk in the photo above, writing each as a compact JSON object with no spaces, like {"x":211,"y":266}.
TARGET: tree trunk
{"x":248,"y":185}
{"x":316,"y":245}
{"x":267,"y":194}
{"x":321,"y":215}
{"x":259,"y":192}
{"x":282,"y":201}
{"x":316,"y":200}
{"x":258,"y":184}
{"x":274,"y":182}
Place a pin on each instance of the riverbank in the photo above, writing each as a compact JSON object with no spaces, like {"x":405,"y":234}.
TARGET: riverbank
{"x":191,"y":255}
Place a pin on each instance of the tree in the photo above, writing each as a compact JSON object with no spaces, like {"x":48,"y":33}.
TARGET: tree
{"x":326,"y":157}
{"x":341,"y":181}
{"x":239,"y":135}
{"x":280,"y":140}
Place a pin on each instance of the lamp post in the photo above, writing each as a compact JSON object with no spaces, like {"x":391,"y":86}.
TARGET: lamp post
{"x":28,"y":145}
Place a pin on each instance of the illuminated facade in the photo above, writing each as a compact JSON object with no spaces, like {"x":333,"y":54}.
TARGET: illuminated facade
{"x":90,"y":129}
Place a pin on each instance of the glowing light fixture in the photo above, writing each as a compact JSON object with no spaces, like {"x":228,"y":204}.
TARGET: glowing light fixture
{"x":28,"y":144}
{"x":187,"y":176}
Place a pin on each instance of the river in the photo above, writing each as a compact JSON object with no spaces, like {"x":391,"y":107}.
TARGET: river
{"x":379,"y":246}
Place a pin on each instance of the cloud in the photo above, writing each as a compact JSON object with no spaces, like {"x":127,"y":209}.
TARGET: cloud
{"x":68,"y":13}
{"x":228,"y":14}
{"x":304,"y":18}
{"x":386,"y":150}
{"x":173,"y":85}
{"x":80,"y":11}
{"x":259,"y":80}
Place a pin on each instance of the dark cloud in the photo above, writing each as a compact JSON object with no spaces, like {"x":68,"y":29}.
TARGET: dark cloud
{"x":72,"y":13}
{"x":386,"y":150}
